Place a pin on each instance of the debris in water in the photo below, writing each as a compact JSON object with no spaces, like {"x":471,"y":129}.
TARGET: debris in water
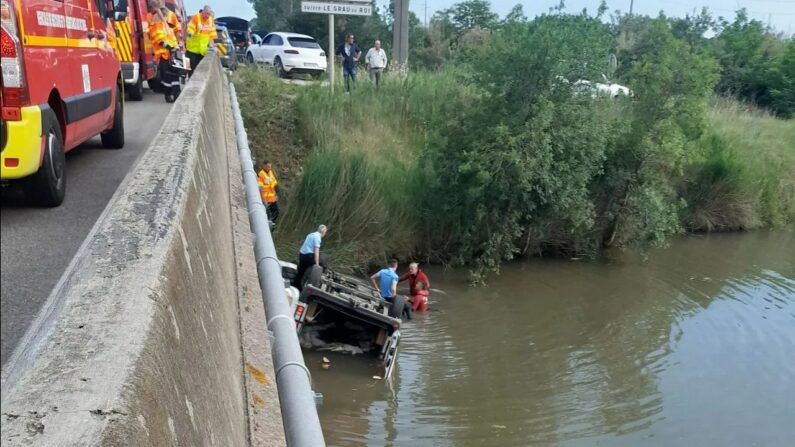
{"x":326,"y":360}
{"x":377,"y":377}
{"x":326,"y":365}
{"x":575,"y":259}
{"x":499,"y":426}
{"x":342,"y":347}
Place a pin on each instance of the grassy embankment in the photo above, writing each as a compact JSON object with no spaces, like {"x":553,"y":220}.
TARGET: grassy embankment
{"x":361,"y":165}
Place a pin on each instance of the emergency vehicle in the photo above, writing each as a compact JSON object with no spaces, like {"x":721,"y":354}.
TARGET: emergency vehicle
{"x":135,"y":51}
{"x":61,"y":86}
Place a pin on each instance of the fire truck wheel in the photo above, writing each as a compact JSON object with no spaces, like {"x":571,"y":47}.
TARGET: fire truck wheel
{"x":114,"y":138}
{"x":47,"y":187}
{"x":137,"y":90}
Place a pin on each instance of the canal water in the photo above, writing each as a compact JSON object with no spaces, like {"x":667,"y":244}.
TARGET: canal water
{"x":693,"y":347}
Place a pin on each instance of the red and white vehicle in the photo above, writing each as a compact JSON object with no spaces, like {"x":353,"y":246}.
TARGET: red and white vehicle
{"x":62,"y":84}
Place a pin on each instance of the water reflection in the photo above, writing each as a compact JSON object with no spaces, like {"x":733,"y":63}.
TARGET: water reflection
{"x":694,"y":347}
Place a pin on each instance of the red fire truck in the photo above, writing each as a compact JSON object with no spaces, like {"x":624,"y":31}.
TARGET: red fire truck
{"x":134,"y":49}
{"x":61,"y":86}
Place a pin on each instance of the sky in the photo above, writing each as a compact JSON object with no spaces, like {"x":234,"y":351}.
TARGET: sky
{"x":780,"y":14}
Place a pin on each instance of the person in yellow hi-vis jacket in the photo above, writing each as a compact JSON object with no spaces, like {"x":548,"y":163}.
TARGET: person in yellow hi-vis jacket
{"x":267,"y":190}
{"x":200,"y":35}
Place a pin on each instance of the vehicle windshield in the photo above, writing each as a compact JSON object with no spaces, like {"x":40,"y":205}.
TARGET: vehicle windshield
{"x":238,"y":36}
{"x":303,"y":42}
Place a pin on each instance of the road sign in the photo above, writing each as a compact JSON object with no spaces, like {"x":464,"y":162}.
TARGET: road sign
{"x":348,"y":9}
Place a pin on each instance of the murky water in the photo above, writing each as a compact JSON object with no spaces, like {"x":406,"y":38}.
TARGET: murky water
{"x":695,"y":347}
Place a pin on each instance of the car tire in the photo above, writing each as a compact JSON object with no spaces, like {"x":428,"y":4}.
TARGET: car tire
{"x":114,"y":138}
{"x":316,"y":76}
{"x":136,"y":91}
{"x":396,"y":308}
{"x":47,"y":187}
{"x":250,"y":58}
{"x":279,"y":68}
{"x":315,"y":275}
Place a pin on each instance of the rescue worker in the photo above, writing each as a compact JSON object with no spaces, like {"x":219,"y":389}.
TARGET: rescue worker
{"x":164,"y":42}
{"x":309,"y":255}
{"x":415,"y":275}
{"x":201,"y":34}
{"x":267,"y":190}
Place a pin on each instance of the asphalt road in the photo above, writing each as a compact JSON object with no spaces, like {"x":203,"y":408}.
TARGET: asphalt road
{"x":37,"y":244}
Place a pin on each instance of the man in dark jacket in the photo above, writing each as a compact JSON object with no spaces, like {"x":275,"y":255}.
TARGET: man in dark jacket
{"x":349,"y":53}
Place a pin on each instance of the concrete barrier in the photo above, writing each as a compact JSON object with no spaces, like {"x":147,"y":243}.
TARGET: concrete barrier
{"x":145,"y":345}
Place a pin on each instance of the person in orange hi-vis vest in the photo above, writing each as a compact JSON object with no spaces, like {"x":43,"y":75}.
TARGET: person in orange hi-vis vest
{"x":164,"y":41}
{"x":201,"y":34}
{"x":267,"y":190}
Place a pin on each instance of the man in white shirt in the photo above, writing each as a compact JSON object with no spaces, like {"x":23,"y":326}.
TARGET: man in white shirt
{"x":375,"y":61}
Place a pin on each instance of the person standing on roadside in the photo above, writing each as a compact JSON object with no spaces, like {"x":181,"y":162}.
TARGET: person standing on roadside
{"x":375,"y":62}
{"x":201,"y":34}
{"x":267,"y":182}
{"x":309,"y":254}
{"x":164,"y":42}
{"x":349,"y":53}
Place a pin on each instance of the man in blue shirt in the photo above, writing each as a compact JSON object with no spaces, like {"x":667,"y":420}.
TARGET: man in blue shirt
{"x":309,"y":254}
{"x":349,"y":52}
{"x":385,"y":282}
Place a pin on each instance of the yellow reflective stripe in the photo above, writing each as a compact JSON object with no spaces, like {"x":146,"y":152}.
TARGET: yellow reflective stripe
{"x":123,"y":46}
{"x":49,"y":41}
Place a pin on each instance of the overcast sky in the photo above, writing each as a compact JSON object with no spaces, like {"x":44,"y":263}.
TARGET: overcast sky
{"x":779,"y":13}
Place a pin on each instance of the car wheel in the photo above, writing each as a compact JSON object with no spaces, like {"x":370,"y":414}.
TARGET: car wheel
{"x":114,"y":138}
{"x":396,"y":309}
{"x":250,"y":58}
{"x":315,"y":275}
{"x":47,"y":187}
{"x":277,"y":64}
{"x":316,"y":76}
{"x":137,"y":91}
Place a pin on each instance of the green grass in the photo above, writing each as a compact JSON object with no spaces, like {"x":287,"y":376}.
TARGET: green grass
{"x":746,"y":178}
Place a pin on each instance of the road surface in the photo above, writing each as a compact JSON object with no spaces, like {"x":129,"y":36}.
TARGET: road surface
{"x":38,"y":244}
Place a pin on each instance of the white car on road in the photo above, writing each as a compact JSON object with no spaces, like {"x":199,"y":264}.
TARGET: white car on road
{"x":289,"y":53}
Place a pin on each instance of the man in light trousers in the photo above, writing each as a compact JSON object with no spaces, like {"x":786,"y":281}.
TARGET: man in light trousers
{"x":375,"y":61}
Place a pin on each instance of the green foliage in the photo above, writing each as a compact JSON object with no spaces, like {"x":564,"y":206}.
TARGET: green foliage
{"x":497,"y":156}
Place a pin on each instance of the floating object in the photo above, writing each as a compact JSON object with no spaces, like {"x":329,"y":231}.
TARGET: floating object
{"x":326,"y":365}
{"x":499,"y":426}
{"x":326,"y":360}
{"x":377,"y":377}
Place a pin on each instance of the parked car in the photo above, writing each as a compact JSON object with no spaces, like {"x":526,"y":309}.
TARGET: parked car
{"x":289,"y":53}
{"x":239,"y":31}
{"x":225,"y":47}
{"x":598,"y":89}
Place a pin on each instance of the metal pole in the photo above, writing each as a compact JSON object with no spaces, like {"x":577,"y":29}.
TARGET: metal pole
{"x":331,"y":51}
{"x":396,"y":32}
{"x":296,"y":398}
{"x":404,"y":36}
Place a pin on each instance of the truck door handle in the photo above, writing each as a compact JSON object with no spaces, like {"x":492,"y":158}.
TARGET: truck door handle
{"x":101,"y":35}
{"x":91,"y":35}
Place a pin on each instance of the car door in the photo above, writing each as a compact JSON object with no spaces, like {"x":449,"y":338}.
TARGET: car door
{"x":275,"y":47}
{"x":257,"y":49}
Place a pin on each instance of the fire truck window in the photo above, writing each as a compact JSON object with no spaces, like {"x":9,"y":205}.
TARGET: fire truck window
{"x":102,"y":7}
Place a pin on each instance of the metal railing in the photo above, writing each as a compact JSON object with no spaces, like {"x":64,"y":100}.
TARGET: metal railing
{"x":293,"y":380}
